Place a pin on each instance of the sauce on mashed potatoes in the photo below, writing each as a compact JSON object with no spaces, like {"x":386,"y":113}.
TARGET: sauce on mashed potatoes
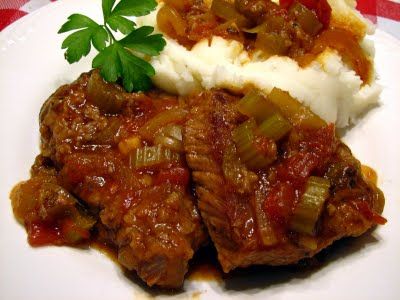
{"x":329,"y":78}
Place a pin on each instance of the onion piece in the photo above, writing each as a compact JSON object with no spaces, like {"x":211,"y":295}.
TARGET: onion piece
{"x":154,"y":125}
{"x":264,"y":226}
{"x":170,"y":137}
{"x":170,"y":22}
{"x":257,"y":29}
{"x":180,"y":5}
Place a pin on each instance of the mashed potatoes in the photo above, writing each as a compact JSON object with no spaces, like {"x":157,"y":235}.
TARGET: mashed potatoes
{"x":332,"y":90}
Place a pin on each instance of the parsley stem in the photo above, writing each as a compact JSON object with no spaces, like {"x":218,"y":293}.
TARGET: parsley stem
{"x":110,"y":33}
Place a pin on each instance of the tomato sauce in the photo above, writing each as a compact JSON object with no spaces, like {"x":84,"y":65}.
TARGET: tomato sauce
{"x":282,"y":32}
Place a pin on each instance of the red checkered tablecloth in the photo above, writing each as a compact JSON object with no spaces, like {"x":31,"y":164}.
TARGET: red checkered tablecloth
{"x":384,"y":13}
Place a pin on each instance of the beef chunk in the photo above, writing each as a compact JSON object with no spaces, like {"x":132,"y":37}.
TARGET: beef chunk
{"x":248,"y":212}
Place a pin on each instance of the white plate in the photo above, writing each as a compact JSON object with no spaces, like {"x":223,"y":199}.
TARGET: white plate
{"x":32,"y":67}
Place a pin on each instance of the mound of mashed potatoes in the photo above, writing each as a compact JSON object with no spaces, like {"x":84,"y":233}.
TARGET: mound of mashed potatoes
{"x":330,"y":88}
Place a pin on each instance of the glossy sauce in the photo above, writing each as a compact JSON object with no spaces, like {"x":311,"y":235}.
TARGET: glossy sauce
{"x":194,"y":21}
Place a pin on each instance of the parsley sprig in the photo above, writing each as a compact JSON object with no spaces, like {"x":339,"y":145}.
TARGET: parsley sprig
{"x":117,"y":59}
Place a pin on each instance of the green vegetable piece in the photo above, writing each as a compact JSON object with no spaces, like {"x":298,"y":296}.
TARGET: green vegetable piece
{"x":108,"y":97}
{"x":309,"y":209}
{"x":294,"y":111}
{"x":275,"y":127}
{"x":227,"y":11}
{"x":152,"y":156}
{"x":254,"y":104}
{"x":272,"y":43}
{"x":244,"y":138}
{"x":307,"y":19}
{"x":117,"y":59}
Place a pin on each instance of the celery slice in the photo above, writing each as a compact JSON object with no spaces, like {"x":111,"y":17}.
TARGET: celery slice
{"x":275,"y":127}
{"x":227,"y":11}
{"x":309,"y":209}
{"x":272,"y":43}
{"x":294,"y":111}
{"x":244,"y":136}
{"x":152,"y":156}
{"x":254,"y":104}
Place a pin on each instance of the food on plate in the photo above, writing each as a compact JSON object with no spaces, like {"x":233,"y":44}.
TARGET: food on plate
{"x":267,"y":172}
{"x":112,"y":168}
{"x":274,"y":182}
{"x":316,"y":50}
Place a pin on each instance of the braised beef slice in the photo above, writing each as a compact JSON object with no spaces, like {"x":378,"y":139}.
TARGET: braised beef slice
{"x":237,"y":213}
{"x":154,"y":224}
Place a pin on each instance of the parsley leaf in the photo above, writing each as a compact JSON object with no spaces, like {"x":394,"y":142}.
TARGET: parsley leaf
{"x":107,"y":6}
{"x":134,"y":7}
{"x":117,"y":59}
{"x":119,"y":23}
{"x":78,"y":44}
{"x":141,"y":41}
{"x":117,"y":62}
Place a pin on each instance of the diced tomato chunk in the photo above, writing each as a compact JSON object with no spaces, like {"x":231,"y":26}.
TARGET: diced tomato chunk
{"x":178,"y":176}
{"x":298,"y":168}
{"x":324,"y":11}
{"x":60,"y":233}
{"x":314,"y":152}
{"x":40,"y":234}
{"x":280,"y":202}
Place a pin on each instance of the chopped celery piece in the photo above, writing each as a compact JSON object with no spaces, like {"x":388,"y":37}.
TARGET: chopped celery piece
{"x":151,"y":156}
{"x":294,"y":111}
{"x":108,"y":97}
{"x":272,"y":43}
{"x":254,"y":104}
{"x":309,"y":208}
{"x":244,"y":138}
{"x":227,"y":11}
{"x":275,"y":127}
